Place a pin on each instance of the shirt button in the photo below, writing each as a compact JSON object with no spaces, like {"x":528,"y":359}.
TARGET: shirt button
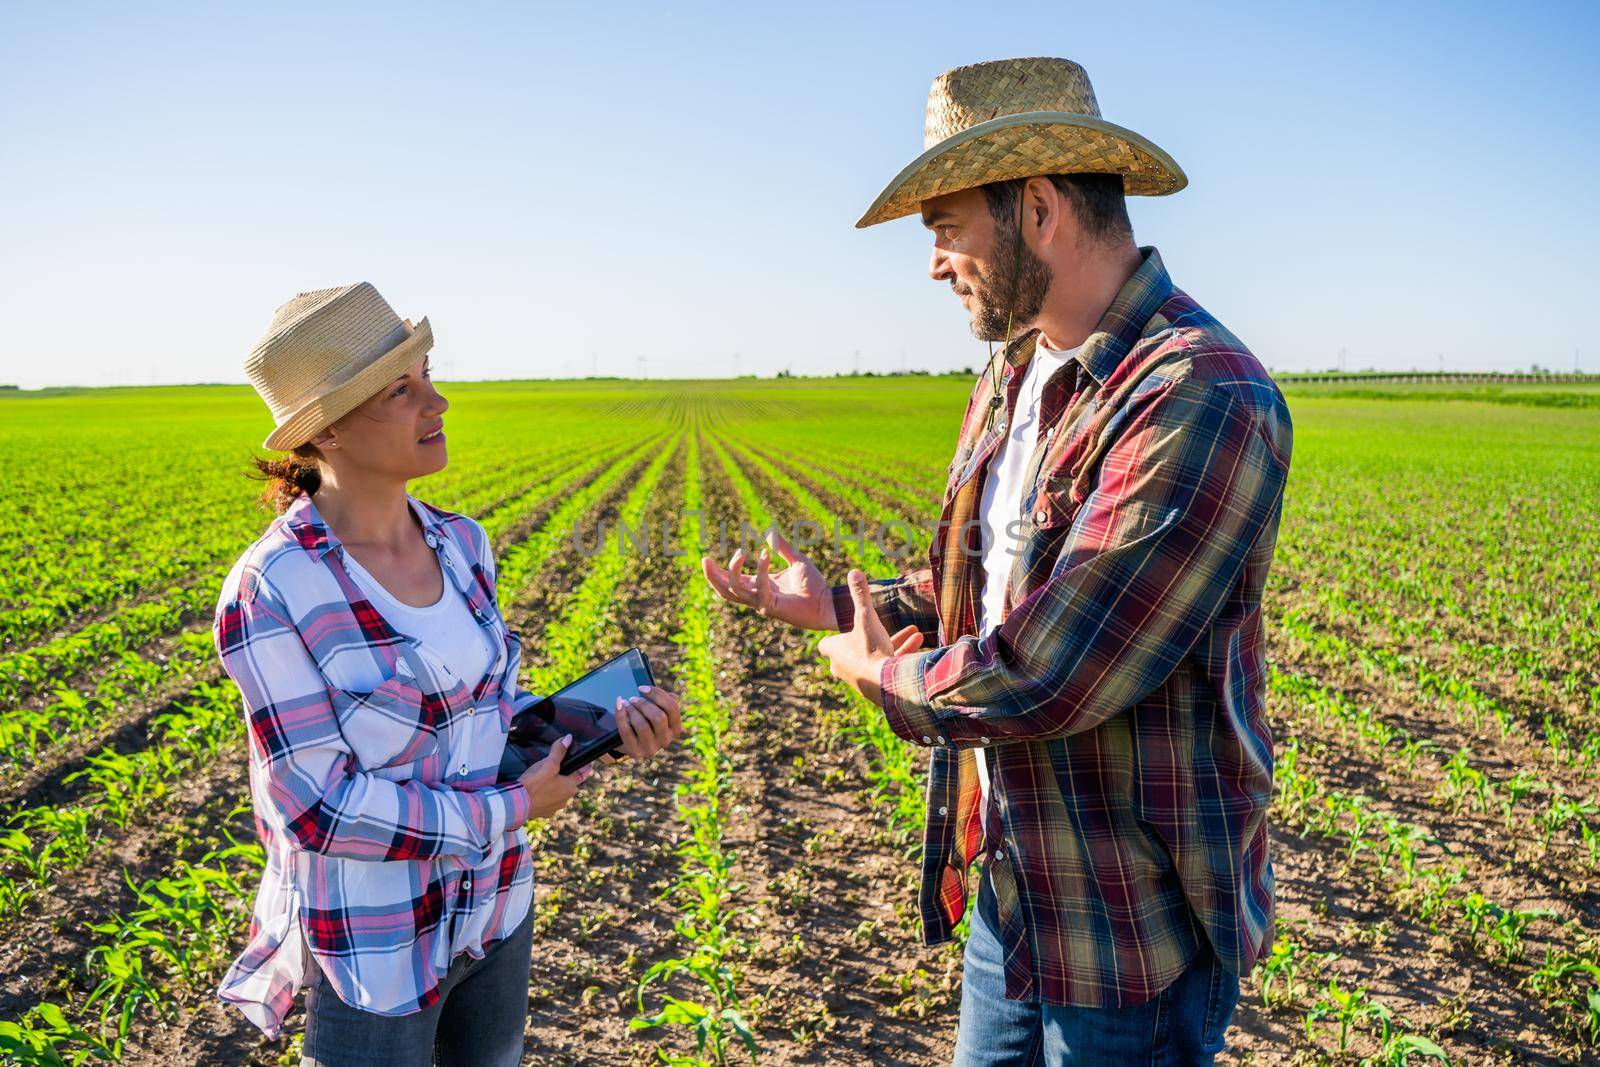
{"x":999,"y":855}
{"x":927,"y":740}
{"x":1039,"y":517}
{"x":433,"y":542}
{"x":466,"y":883}
{"x":983,"y":740}
{"x":461,"y":769}
{"x":944,"y":810}
{"x":472,"y":709}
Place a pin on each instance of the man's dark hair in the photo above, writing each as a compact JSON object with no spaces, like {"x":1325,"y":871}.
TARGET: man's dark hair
{"x":1096,"y":199}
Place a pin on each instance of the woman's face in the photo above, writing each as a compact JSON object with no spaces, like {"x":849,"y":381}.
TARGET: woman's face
{"x":397,"y":433}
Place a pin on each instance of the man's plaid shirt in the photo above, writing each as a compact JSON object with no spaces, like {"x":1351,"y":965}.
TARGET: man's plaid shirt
{"x":1120,"y":705}
{"x":390,"y":849}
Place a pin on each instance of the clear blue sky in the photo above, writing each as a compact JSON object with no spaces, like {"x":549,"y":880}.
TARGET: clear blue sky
{"x":659,"y":187}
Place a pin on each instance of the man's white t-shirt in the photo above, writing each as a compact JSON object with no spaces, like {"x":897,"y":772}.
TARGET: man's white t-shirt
{"x":1001,"y":505}
{"x":445,"y":629}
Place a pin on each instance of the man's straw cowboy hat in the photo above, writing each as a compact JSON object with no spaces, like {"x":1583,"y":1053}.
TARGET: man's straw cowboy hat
{"x":1017,"y":118}
{"x":327,"y":351}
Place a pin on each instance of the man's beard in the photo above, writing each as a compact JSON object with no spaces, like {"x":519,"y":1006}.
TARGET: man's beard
{"x":993,"y":292}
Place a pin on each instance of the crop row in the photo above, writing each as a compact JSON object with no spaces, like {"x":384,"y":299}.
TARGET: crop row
{"x":893,"y":764}
{"x":712,"y":1008}
{"x":1544,"y":810}
{"x":27,"y":732}
{"x":1458,"y":698}
{"x":184,"y":924}
{"x":41,"y":843}
{"x":1525,"y":581}
{"x":1531,"y":676}
{"x":1398,"y":851}
{"x":529,"y":556}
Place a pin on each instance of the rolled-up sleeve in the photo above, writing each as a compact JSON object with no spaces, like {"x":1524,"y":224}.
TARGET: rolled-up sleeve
{"x":305,"y":771}
{"x":907,"y":600}
{"x":1149,"y":561}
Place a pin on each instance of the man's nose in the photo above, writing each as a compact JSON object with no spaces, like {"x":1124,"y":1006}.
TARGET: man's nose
{"x":939,"y":267}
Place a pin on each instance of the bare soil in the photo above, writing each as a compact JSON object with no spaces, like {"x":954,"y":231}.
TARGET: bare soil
{"x":833,"y":970}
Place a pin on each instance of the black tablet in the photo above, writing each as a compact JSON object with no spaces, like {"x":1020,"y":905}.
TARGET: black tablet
{"x":587,"y":708}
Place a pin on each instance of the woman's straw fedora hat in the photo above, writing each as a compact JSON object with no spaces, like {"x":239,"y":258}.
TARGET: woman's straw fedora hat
{"x":327,"y":351}
{"x":1017,"y":118}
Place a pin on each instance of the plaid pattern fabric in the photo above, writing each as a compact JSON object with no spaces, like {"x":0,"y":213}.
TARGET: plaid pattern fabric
{"x":389,"y":847}
{"x":1120,"y":703}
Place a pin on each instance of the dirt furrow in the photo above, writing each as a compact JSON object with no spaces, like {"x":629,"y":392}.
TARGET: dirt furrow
{"x":1466,"y":1002}
{"x":836,"y":950}
{"x":601,"y":862}
{"x":42,"y":953}
{"x":1530,"y":698}
{"x":1511,"y":865}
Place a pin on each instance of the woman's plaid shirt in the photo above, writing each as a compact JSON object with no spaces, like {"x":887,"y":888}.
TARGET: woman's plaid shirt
{"x":1120,"y":703}
{"x":390,"y":848}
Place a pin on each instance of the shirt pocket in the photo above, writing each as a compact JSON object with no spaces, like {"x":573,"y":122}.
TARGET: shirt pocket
{"x":393,"y":725}
{"x":1053,"y":506}
{"x":1137,"y":514}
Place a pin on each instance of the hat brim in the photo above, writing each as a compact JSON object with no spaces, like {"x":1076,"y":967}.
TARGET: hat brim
{"x":1025,"y":145}
{"x":315,"y":414}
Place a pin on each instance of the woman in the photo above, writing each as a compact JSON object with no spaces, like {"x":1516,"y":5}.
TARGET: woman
{"x":378,"y":682}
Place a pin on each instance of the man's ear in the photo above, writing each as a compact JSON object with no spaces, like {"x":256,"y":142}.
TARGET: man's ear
{"x":1042,"y":209}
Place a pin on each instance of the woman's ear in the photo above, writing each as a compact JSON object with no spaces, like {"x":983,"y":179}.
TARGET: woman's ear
{"x":324,"y":440}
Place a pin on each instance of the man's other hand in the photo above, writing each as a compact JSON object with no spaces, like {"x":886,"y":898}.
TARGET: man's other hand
{"x":797,"y":595}
{"x":857,"y":655}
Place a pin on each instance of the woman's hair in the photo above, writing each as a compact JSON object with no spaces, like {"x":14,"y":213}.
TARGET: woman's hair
{"x":288,"y":476}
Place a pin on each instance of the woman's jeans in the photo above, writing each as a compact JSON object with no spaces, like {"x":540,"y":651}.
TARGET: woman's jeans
{"x":1184,"y":1024}
{"x":478,"y":1020}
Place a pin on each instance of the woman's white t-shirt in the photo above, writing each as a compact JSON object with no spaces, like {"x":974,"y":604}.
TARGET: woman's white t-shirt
{"x":1001,"y":504}
{"x":445,"y":629}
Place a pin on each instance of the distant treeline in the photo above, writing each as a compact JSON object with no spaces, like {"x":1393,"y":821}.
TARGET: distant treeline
{"x":1530,"y":390}
{"x":787,"y":373}
{"x":1443,"y":376}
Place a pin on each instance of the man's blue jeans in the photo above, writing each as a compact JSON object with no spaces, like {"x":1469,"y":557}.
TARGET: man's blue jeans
{"x":1184,"y":1024}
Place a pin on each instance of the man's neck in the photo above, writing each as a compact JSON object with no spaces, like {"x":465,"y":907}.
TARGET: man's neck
{"x":1073,"y":307}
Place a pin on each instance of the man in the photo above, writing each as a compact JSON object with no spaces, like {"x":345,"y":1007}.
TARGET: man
{"x":1084,"y":654}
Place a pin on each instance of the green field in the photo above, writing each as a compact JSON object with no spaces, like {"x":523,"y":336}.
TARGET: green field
{"x":1435,"y":699}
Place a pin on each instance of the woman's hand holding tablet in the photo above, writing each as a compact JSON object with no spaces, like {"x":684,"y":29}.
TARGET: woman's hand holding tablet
{"x":615,"y":710}
{"x":648,"y":722}
{"x":548,"y":789}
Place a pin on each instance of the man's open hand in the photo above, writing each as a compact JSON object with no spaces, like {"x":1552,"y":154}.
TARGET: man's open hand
{"x":856,"y":656}
{"x":797,"y":595}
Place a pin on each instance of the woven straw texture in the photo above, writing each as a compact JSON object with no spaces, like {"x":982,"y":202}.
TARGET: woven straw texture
{"x":325,"y":352}
{"x":1017,"y":118}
